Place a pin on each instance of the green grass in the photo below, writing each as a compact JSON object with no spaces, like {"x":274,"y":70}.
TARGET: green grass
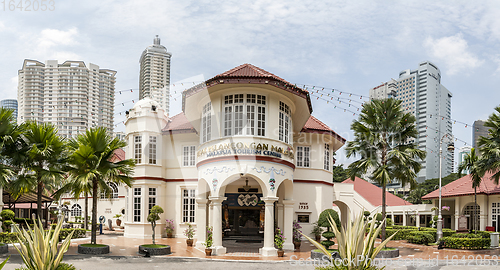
{"x":93,"y":245}
{"x":329,"y":250}
{"x":154,"y":246}
{"x":2,"y":244}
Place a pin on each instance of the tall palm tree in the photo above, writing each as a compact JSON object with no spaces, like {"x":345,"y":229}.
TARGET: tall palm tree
{"x":100,"y":168}
{"x":470,"y":164}
{"x":489,"y":147}
{"x":41,"y":162}
{"x":384,"y":139}
{"x":9,"y":144}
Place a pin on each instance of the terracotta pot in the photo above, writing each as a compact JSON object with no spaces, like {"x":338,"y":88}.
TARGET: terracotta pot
{"x":208,"y":251}
{"x":189,"y":242}
{"x":296,"y":245}
{"x":318,"y":238}
{"x":170,"y":235}
{"x":118,"y":222}
{"x":281,"y":253}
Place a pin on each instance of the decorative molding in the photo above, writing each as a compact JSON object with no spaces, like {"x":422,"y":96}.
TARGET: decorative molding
{"x":272,"y":169}
{"x":215,"y":182}
{"x":272,"y":181}
{"x":312,"y":182}
{"x":224,"y":169}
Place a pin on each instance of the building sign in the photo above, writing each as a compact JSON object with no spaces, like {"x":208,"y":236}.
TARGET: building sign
{"x":303,"y":218}
{"x":243,"y":200}
{"x":462,"y":223}
{"x":240,"y":148}
{"x":303,"y":206}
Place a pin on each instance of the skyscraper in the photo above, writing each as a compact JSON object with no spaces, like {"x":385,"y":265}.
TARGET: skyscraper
{"x":10,"y":104}
{"x":478,"y":130}
{"x":423,"y":95}
{"x":464,"y":150}
{"x":72,"y":95}
{"x":154,"y":80}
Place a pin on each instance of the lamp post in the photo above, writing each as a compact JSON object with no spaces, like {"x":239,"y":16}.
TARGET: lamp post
{"x":450,"y":148}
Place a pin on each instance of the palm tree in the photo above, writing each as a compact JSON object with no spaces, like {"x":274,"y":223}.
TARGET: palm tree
{"x":9,"y":144}
{"x":416,"y":195}
{"x":99,"y":148}
{"x":41,"y":161}
{"x":489,"y":147}
{"x":384,"y":139}
{"x":470,"y":164}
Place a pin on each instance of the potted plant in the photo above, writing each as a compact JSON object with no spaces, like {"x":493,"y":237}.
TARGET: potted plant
{"x":279,"y":239}
{"x":209,"y":242}
{"x":189,"y":233}
{"x":118,"y":220}
{"x":154,"y":249}
{"x":169,"y":228}
{"x":317,"y":231}
{"x":297,"y":233}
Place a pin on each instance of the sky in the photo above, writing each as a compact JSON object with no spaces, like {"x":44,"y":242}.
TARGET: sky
{"x":350,"y":46}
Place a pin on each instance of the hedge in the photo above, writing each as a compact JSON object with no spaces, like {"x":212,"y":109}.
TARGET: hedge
{"x":466,"y":243}
{"x":8,"y":237}
{"x":420,"y":237}
{"x":404,"y":232}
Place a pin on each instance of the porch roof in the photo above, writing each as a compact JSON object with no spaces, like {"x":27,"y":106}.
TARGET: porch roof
{"x":373,"y":194}
{"x":463,"y":187}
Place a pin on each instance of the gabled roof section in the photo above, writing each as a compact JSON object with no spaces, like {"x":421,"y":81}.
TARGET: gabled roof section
{"x":463,"y":187}
{"x":178,"y":124}
{"x":118,"y":155}
{"x":245,"y":74}
{"x":313,"y":125}
{"x":373,"y":194}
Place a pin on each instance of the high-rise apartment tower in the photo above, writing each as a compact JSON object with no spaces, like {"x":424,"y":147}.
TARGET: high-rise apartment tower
{"x":10,"y":104}
{"x":72,"y":95}
{"x":423,"y":95}
{"x":478,"y":130}
{"x":154,"y":80}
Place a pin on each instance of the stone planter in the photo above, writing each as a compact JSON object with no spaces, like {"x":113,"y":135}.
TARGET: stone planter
{"x":104,"y":249}
{"x":388,"y":254}
{"x":4,"y":248}
{"x":189,"y":242}
{"x":170,"y":235}
{"x":281,"y":253}
{"x":155,"y":250}
{"x":208,"y":251}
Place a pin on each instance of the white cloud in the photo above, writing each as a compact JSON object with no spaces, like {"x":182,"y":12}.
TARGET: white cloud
{"x":2,"y":26}
{"x":53,"y":37}
{"x":454,"y":52}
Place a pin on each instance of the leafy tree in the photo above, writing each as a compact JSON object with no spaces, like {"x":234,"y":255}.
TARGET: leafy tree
{"x":102,"y":146}
{"x":41,"y":161}
{"x":470,"y":164}
{"x":489,"y":147}
{"x":384,"y":139}
{"x":339,"y":174}
{"x":154,"y":215}
{"x":430,"y":185}
{"x":416,"y":195}
{"x":10,"y":134}
{"x":323,"y":221}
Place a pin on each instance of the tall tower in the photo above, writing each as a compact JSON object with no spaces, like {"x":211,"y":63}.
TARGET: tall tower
{"x":154,"y":80}
{"x":72,"y":95}
{"x":10,"y":104}
{"x":423,"y":95}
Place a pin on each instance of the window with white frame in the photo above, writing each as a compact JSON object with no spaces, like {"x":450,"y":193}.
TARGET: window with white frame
{"x":76,"y":210}
{"x":137,"y":204}
{"x":188,"y":156}
{"x":152,"y":150}
{"x":112,"y":193}
{"x":152,"y":198}
{"x":138,"y":149}
{"x":303,"y":156}
{"x":206,"y":123}
{"x":285,"y":123}
{"x":244,"y":114}
{"x":188,"y":205}
{"x":326,"y":163}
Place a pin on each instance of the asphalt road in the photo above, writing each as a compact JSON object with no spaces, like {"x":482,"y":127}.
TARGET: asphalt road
{"x":126,"y":263}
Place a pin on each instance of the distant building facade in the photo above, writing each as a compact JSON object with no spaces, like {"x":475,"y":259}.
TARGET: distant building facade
{"x":462,"y":153}
{"x":154,"y":80}
{"x":71,"y":95}
{"x":478,"y":130}
{"x":10,"y":104}
{"x":423,"y":95}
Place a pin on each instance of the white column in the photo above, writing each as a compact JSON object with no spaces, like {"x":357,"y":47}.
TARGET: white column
{"x":483,"y":212}
{"x":280,"y":214}
{"x":201,"y":222}
{"x":218,"y":249}
{"x":392,"y":217}
{"x":288,"y":224}
{"x":457,"y":212}
{"x":404,"y":218}
{"x":417,"y":219}
{"x":268,"y":248}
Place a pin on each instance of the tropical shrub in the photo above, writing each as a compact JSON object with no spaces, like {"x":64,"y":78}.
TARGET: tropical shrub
{"x":62,"y":266}
{"x":154,"y":215}
{"x":189,"y":231}
{"x":355,"y":245}
{"x":279,"y":239}
{"x":38,"y":248}
{"x":323,"y":221}
{"x":420,"y":237}
{"x":210,"y":237}
{"x":296,"y":231}
{"x":169,"y":228}
{"x":7,"y":219}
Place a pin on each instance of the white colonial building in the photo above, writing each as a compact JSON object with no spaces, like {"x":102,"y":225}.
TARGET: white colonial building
{"x":244,"y":155}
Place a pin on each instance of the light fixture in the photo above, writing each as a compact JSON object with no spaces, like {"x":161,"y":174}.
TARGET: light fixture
{"x":246,"y":187}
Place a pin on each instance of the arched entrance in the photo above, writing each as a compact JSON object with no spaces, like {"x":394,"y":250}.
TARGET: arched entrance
{"x":472,"y":219}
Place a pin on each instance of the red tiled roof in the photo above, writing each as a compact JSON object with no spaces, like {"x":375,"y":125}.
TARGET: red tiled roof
{"x":463,"y":187}
{"x":119,"y":155}
{"x":373,"y":194}
{"x":313,"y":125}
{"x":251,"y":74}
{"x":178,"y":124}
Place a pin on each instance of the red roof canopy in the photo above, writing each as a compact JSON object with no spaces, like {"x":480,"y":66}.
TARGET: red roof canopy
{"x":463,"y":187}
{"x":179,"y":124}
{"x":373,"y":194}
{"x":313,"y":125}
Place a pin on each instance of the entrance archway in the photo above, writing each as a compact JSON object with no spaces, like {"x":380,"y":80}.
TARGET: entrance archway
{"x":469,"y":211}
